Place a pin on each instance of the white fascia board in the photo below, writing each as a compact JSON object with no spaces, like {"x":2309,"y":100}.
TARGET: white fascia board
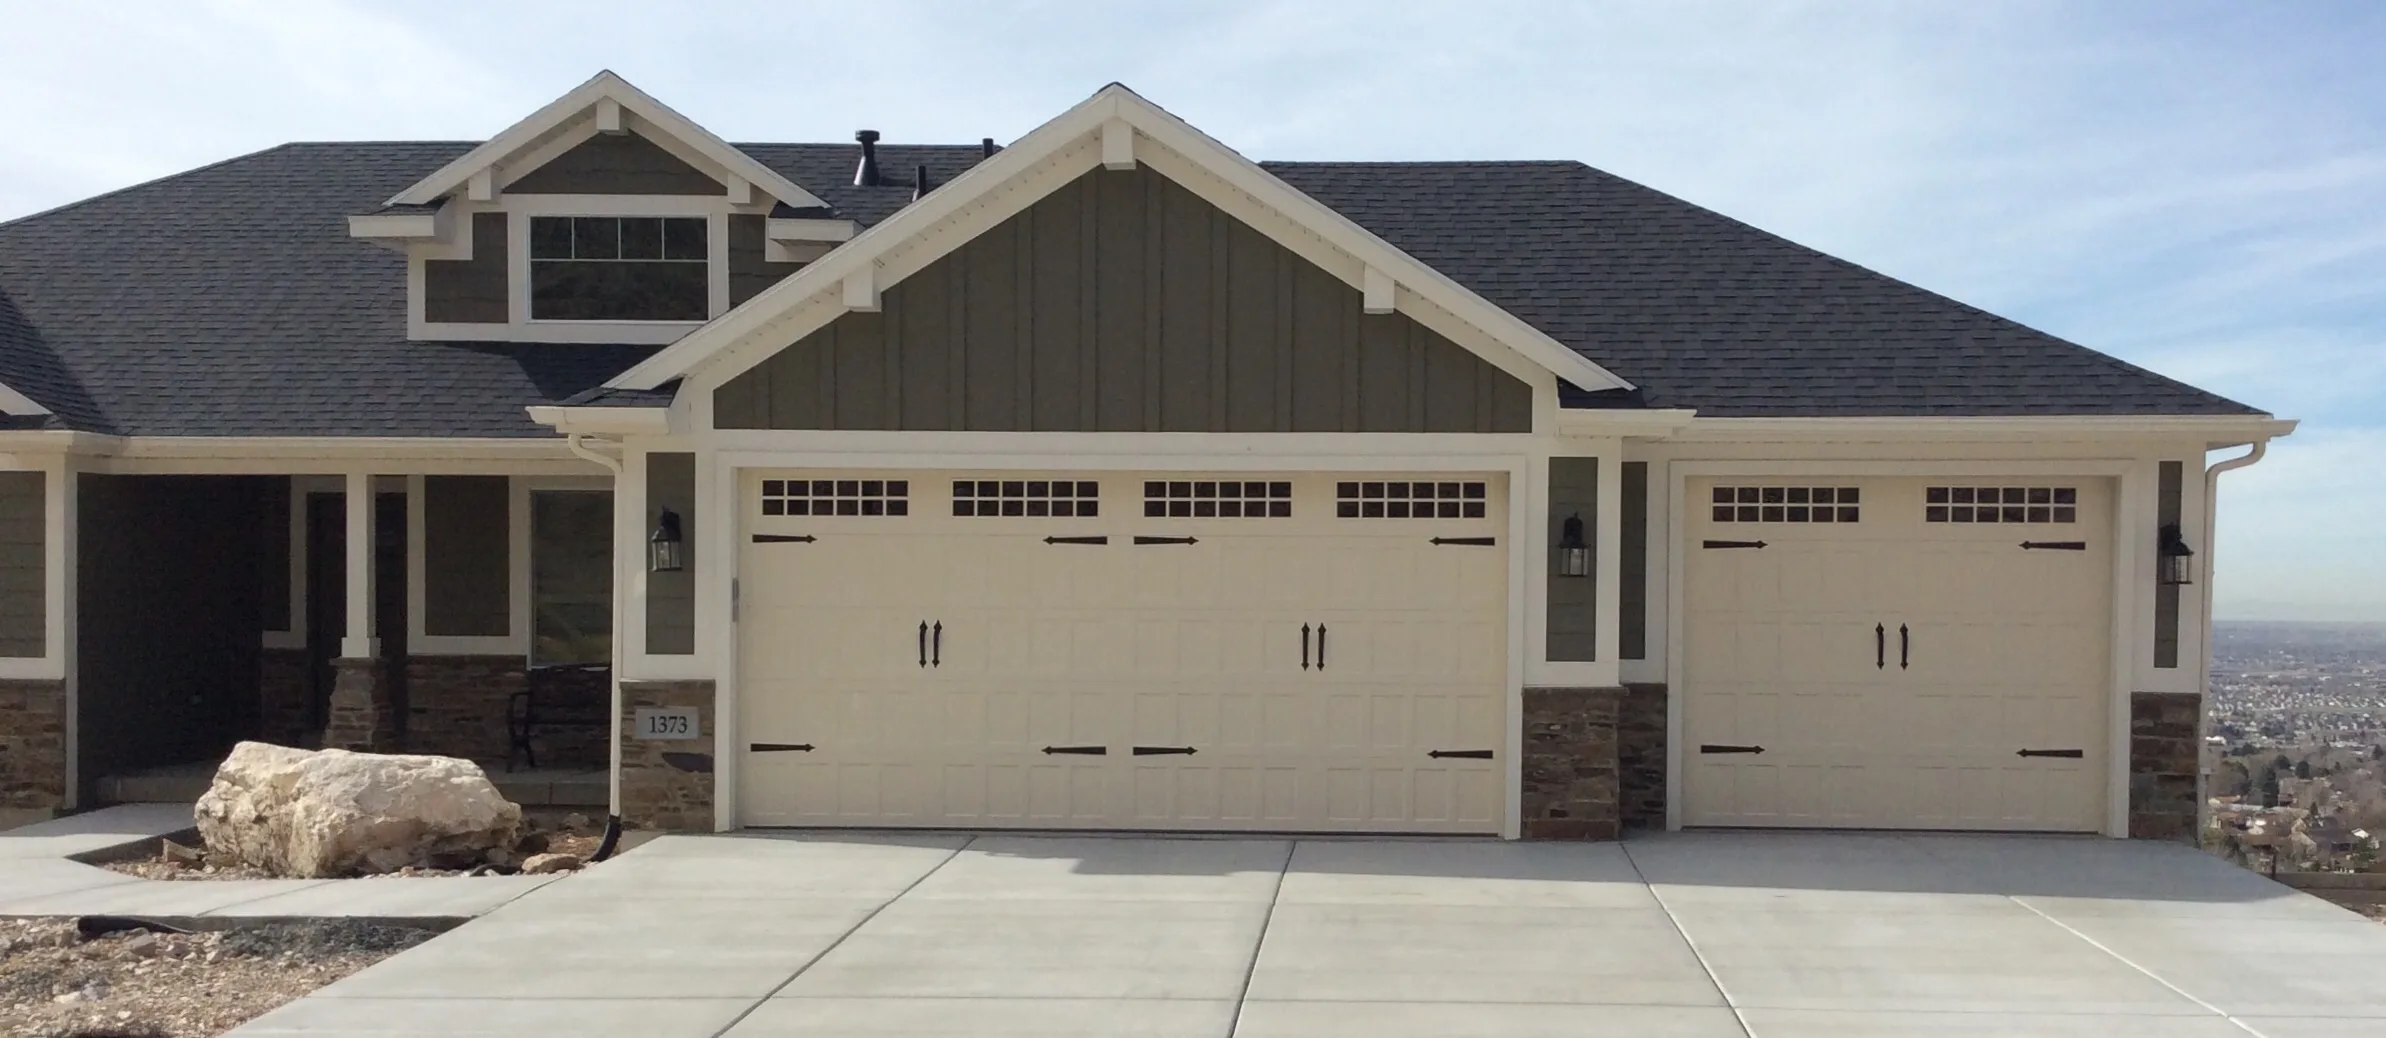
{"x":779,"y":228}
{"x":2217,"y":430}
{"x":605,"y":421}
{"x":604,"y":86}
{"x":18,"y":404}
{"x":1086,"y":121}
{"x":1643,"y":423}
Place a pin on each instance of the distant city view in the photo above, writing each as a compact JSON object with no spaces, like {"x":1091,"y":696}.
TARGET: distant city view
{"x":2296,"y":759}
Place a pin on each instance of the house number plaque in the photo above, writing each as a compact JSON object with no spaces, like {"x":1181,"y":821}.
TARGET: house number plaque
{"x":678,"y":722}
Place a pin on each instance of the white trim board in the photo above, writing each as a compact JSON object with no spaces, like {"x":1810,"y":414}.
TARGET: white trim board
{"x":1041,"y":162}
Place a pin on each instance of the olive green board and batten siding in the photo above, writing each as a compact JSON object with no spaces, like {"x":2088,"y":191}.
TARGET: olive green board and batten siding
{"x":470,"y":291}
{"x":24,"y":560}
{"x":1124,"y":303}
{"x":616,"y":164}
{"x":671,"y":597}
{"x":467,"y":556}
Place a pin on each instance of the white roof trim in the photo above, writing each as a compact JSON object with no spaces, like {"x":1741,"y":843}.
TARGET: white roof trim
{"x":2216,"y":429}
{"x":603,"y":420}
{"x":603,"y":87}
{"x":15,"y":403}
{"x":1114,"y":102}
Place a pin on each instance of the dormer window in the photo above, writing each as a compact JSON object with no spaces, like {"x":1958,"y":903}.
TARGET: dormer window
{"x":619,"y":268}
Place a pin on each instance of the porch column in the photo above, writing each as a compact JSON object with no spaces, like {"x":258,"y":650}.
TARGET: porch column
{"x":362,"y":716}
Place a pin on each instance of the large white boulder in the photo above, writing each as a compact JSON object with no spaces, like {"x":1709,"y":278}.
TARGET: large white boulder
{"x":335,"y":813}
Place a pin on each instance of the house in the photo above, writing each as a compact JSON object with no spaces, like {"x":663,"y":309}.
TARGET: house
{"x":1103,"y":480}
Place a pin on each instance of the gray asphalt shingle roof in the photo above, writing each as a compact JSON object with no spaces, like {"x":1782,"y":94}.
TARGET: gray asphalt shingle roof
{"x":230,"y":301}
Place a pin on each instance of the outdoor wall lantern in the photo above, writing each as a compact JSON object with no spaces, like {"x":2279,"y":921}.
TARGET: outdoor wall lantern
{"x":665,"y":551}
{"x":1574,"y":558}
{"x":2177,"y":559}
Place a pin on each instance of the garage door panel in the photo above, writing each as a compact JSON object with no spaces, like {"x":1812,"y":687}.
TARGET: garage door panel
{"x":1116,"y":645}
{"x":2001,"y":648}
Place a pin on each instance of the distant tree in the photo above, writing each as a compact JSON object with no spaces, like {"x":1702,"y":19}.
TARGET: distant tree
{"x":2232,"y":779}
{"x":2267,"y":788}
{"x":2281,"y":763}
{"x":2378,"y":752}
{"x":2303,"y":769}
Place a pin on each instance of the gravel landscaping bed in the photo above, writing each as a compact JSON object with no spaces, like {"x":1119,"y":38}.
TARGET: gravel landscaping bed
{"x":57,"y":983}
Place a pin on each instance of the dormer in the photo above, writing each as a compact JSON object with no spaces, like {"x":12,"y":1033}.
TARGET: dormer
{"x":603,"y":217}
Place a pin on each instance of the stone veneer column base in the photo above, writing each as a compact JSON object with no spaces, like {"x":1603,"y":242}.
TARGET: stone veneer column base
{"x":32,"y":749}
{"x":667,"y":783}
{"x":362,"y":717}
{"x":2165,"y":757}
{"x":1640,"y":756}
{"x":1570,"y":773}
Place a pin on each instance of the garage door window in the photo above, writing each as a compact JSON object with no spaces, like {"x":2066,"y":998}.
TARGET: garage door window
{"x":836,"y":497}
{"x":1418,"y":499}
{"x":1787,"y":505}
{"x":2001,"y":504}
{"x":1064,"y":498}
{"x":1217,"y":499}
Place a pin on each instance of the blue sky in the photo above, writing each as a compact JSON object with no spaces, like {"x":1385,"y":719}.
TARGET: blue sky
{"x":2199,"y":187}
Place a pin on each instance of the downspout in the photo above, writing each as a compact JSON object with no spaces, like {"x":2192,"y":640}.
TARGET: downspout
{"x":2203,"y":685}
{"x":578,"y":444}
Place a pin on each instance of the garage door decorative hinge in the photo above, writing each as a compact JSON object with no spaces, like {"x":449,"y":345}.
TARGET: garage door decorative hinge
{"x":1731,"y":544}
{"x":784,"y":538}
{"x":1077,"y":540}
{"x":780,"y":747}
{"x":1156,"y":751}
{"x":2055,"y":545}
{"x":1467,"y":754}
{"x":1478,"y":542}
{"x":1165,"y":540}
{"x":1713,"y":748}
{"x":1084,"y":751}
{"x":2074,"y":754}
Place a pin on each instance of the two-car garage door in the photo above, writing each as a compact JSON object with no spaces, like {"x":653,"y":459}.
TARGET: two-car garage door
{"x":1897,"y":653}
{"x":1293,"y":652}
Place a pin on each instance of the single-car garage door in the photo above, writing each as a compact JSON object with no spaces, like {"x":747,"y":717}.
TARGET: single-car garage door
{"x":1897,"y":653}
{"x":1283,"y":652}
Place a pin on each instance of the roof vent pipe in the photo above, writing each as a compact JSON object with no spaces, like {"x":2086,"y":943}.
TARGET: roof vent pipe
{"x":919,"y":182}
{"x":866,"y":175}
{"x":986,"y":147}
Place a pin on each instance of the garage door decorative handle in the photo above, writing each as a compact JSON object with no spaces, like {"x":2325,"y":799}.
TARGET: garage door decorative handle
{"x":780,"y":747}
{"x":1880,"y":647}
{"x":1467,"y":754}
{"x":1713,"y":748}
{"x":1905,"y":647}
{"x":1082,"y":751}
{"x":1165,"y":540}
{"x":936,"y":645}
{"x":1731,"y":544}
{"x":1077,"y":540}
{"x":2054,"y":545}
{"x":2073,"y":754}
{"x":1154,"y":751}
{"x":923,"y":643}
{"x":1479,"y":542}
{"x":1321,"y":646}
{"x":784,"y":538}
{"x":1304,"y":646}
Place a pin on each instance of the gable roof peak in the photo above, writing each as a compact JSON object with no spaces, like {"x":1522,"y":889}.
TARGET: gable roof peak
{"x":604,"y":103}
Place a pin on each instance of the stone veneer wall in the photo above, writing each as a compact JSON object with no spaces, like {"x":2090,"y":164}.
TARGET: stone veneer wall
{"x":1640,"y":757}
{"x":32,"y":747}
{"x":582,"y":697}
{"x":456,"y":705}
{"x":667,"y":783}
{"x":283,"y":715}
{"x":1570,"y":764}
{"x":2165,"y":755}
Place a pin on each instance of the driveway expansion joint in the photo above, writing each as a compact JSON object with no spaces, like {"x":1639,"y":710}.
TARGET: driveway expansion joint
{"x":1243,"y":996}
{"x":1738,"y":1016}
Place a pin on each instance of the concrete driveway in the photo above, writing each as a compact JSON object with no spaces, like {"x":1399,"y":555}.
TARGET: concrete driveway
{"x":1678,"y":936}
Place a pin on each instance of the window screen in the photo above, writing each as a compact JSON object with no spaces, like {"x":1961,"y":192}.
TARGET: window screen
{"x":571,"y":577}
{"x":619,"y":268}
